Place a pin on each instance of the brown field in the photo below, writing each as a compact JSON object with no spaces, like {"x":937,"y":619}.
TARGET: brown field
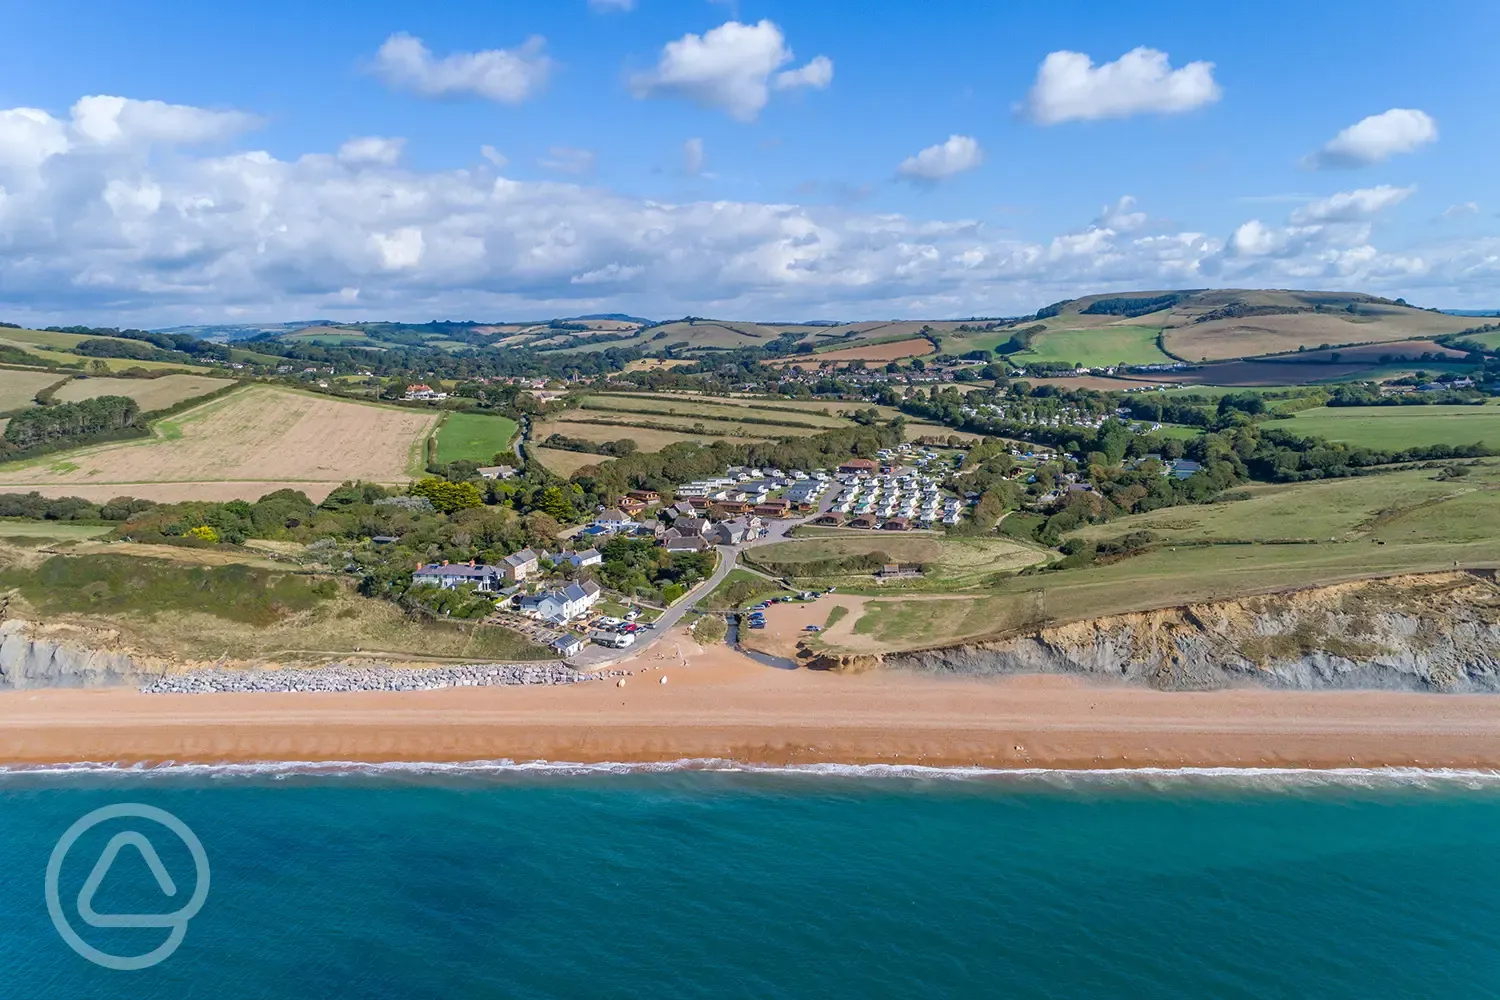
{"x":683,"y":406}
{"x":564,"y":463}
{"x":242,"y":445}
{"x":1084,"y":382}
{"x":644,"y":438}
{"x":1259,"y":335}
{"x":657,"y":364}
{"x":19,"y":388}
{"x":1252,"y":373}
{"x":152,"y":394}
{"x":1398,"y":350}
{"x":893,"y":351}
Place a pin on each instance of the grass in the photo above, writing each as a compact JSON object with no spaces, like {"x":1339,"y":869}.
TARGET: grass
{"x":19,"y":388}
{"x":63,"y":531}
{"x":1099,"y":348}
{"x":646,"y":439}
{"x":564,"y":463}
{"x":1400,"y":427}
{"x":474,"y":437}
{"x":662,"y":406}
{"x":952,"y":563}
{"x":739,"y":589}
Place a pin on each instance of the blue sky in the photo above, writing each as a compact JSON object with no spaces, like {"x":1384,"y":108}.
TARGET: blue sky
{"x":166,"y":163}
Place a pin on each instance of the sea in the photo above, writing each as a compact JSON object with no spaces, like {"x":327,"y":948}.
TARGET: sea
{"x":703,"y":879}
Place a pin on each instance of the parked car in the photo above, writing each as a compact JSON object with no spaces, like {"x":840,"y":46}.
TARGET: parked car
{"x":757,"y":624}
{"x":812,"y":628}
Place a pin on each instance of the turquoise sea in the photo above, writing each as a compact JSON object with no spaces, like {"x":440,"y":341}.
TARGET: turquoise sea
{"x":582,"y":883}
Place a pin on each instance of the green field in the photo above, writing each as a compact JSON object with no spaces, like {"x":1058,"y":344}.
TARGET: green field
{"x":1490,"y":340}
{"x":1399,"y":427}
{"x":474,"y":437}
{"x":1098,"y":348}
{"x":953,"y":563}
{"x":60,"y":530}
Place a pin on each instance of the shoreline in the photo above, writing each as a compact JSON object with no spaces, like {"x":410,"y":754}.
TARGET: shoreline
{"x":720,"y":706}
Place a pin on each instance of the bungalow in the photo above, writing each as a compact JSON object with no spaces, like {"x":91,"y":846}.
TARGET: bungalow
{"x":614,"y":520}
{"x":1183,"y":468}
{"x":858,"y":467}
{"x":682,"y":508}
{"x":632,"y":506}
{"x":773,"y":508}
{"x":729,"y":508}
{"x":864,"y":521}
{"x":561,"y":605}
{"x":645,"y":496}
{"x":421,"y":391}
{"x":677,"y":541}
{"x":897,"y":524}
{"x":495,"y":472}
{"x":832,"y":519}
{"x":519,"y":565}
{"x":568,"y":645}
{"x":486,"y":579}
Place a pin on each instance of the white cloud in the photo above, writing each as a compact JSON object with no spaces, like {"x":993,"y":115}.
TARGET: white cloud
{"x":692,"y":157}
{"x":1069,"y":87}
{"x":494,"y":155}
{"x":730,"y":68}
{"x":1119,"y":216}
{"x":1352,"y":206}
{"x":611,"y":5}
{"x":371,"y":149}
{"x":817,"y":74}
{"x":1461,"y":209}
{"x":1377,"y":138}
{"x":935,"y":163}
{"x":507,"y":76}
{"x":569,"y":160}
{"x":108,"y":235}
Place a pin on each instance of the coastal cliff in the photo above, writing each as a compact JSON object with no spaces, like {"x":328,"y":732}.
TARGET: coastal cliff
{"x":1429,"y":632}
{"x":38,"y":656}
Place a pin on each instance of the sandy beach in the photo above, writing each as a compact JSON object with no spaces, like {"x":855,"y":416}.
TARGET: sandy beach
{"x":718,"y":704}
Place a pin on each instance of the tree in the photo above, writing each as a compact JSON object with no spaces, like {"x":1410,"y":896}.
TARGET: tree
{"x":556,"y":504}
{"x":447,"y":497}
{"x":204,"y":533}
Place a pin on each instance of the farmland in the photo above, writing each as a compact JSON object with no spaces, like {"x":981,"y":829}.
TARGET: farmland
{"x":646,"y":439}
{"x":18,"y":388}
{"x":1400,"y":427}
{"x":1097,"y":348}
{"x":57,"y":348}
{"x":564,"y":463}
{"x":895,"y":350}
{"x":151,"y":394}
{"x":474,"y":437}
{"x":243,"y":445}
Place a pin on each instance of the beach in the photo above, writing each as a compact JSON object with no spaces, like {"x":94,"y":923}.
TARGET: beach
{"x":717,"y":704}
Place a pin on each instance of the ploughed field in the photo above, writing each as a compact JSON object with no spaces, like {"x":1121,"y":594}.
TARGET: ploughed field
{"x":243,"y":445}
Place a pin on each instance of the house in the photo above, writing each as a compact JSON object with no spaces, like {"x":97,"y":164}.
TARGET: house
{"x":495,"y":472}
{"x":773,"y":508}
{"x":864,"y":521}
{"x":691,"y":525}
{"x":632,"y":506}
{"x":486,"y":579}
{"x":730,"y":532}
{"x":645,"y":496}
{"x":682,"y":508}
{"x":561,"y":605}
{"x":832,"y":519}
{"x":519,"y":565}
{"x":568,"y":645}
{"x":678,"y":541}
{"x":614,"y":520}
{"x":1183,"y":468}
{"x":729,"y":508}
{"x":897,"y":524}
{"x":895,"y":571}
{"x":422,"y":391}
{"x":588,"y":557}
{"x":858,"y":467}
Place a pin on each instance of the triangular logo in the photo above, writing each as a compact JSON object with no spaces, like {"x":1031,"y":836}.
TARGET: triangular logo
{"x":101,"y":870}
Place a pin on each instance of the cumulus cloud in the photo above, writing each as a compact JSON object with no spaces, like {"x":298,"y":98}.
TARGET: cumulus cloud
{"x":730,"y":68}
{"x":692,"y":157}
{"x":1069,"y":87}
{"x":102,"y":233}
{"x":507,"y":76}
{"x":1352,"y":206}
{"x":936,"y":163}
{"x":569,"y":160}
{"x":371,"y":149}
{"x":1461,"y":209}
{"x":1376,"y":139}
{"x":1120,"y":217}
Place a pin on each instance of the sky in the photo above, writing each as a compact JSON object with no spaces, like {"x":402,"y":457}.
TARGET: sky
{"x":166,"y":163}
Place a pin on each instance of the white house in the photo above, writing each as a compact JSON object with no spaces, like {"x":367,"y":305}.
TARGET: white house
{"x":484,"y":578}
{"x":614,"y":520}
{"x":568,"y":645}
{"x":561,"y":605}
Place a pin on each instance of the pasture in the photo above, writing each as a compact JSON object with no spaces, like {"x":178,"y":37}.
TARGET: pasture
{"x":895,"y":350}
{"x":564,"y":463}
{"x":243,"y":445}
{"x":474,"y":437}
{"x":1400,"y":427}
{"x":18,"y":388}
{"x":1097,"y":348}
{"x":953,"y":562}
{"x":151,"y":394}
{"x":645,"y":438}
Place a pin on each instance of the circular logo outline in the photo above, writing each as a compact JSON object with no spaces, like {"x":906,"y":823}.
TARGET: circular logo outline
{"x":176,"y":921}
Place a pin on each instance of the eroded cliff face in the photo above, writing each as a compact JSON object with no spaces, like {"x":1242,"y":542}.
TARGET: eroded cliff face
{"x":1430,"y":632}
{"x":42,"y":656}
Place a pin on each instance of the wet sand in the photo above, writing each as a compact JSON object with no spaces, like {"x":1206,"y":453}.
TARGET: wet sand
{"x":718,"y":704}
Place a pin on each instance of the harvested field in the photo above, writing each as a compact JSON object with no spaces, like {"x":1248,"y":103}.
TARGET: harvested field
{"x":656,"y":406}
{"x":19,"y":388}
{"x":1096,"y":382}
{"x":1259,"y":335}
{"x":646,"y":439}
{"x":243,"y":445}
{"x":892,"y":351}
{"x":657,"y":364}
{"x":152,"y":394}
{"x":1400,"y":350}
{"x":1255,"y":373}
{"x":564,"y":463}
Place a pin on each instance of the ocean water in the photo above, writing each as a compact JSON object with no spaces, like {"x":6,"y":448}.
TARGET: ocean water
{"x":692,"y":882}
